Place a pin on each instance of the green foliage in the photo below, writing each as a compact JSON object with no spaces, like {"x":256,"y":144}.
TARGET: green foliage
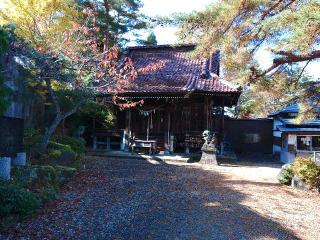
{"x":286,"y":174}
{"x":29,"y":188}
{"x":103,"y":115}
{"x":104,"y":118}
{"x":194,"y":158}
{"x":269,"y":95}
{"x":243,"y":31}
{"x":62,"y":154}
{"x":4,"y":90}
{"x":76,"y":144}
{"x":308,"y":171}
{"x":41,"y":180}
{"x":64,"y":173}
{"x":4,"y":42}
{"x":31,"y":141}
{"x":62,"y":150}
{"x":17,"y":200}
{"x":115,"y":18}
{"x":151,"y":40}
{"x":4,"y":93}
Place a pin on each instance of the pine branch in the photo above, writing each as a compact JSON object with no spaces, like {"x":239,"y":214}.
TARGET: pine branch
{"x":288,"y":57}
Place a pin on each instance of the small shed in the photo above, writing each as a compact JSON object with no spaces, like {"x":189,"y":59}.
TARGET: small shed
{"x":291,"y":140}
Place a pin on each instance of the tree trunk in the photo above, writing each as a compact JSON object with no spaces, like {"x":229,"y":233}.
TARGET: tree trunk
{"x":58,"y":118}
{"x":54,"y":124}
{"x":106,"y":32}
{"x":49,"y":131}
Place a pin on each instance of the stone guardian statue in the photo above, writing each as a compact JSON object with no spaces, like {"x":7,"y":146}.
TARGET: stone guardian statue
{"x":209,"y":148}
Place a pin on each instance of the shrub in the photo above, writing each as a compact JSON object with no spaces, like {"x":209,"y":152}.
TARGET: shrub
{"x":31,"y":140}
{"x":286,"y":174}
{"x":41,"y":180}
{"x":29,"y":187}
{"x":308,"y":171}
{"x":76,"y":144}
{"x":61,"y":154}
{"x":16,"y":200}
{"x":194,"y":158}
{"x":64,"y":174}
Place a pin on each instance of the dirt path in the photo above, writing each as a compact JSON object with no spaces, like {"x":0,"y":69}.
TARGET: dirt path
{"x":139,"y":199}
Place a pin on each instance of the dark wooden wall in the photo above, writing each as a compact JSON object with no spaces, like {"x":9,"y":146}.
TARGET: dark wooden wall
{"x":186,"y":116}
{"x":245,"y":136}
{"x":11,"y":136}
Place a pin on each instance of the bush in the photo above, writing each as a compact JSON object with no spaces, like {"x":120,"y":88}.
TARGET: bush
{"x":61,"y":154}
{"x":64,"y":174}
{"x":308,"y":171}
{"x":16,"y":200}
{"x":76,"y":144}
{"x":31,"y":140}
{"x":194,"y":158}
{"x":41,"y":180}
{"x":286,"y":174}
{"x":30,"y":187}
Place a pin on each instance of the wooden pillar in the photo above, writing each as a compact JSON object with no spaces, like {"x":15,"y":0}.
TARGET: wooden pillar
{"x":148,"y":126}
{"x":108,"y":144}
{"x":222,"y":127}
{"x":123,"y":141}
{"x":187,"y":129}
{"x":210,"y":119}
{"x":206,"y":112}
{"x":167,"y":133}
{"x":127,"y":132}
{"x":94,"y":142}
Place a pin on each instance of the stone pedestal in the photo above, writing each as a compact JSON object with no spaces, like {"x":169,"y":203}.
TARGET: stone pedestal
{"x":299,"y":184}
{"x":208,"y":157}
{"x":20,"y":159}
{"x":209,"y":148}
{"x":5,"y":168}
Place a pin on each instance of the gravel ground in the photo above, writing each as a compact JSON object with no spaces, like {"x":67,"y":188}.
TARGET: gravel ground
{"x":139,"y":199}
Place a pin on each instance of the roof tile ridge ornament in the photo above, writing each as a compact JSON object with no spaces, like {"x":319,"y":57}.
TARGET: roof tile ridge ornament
{"x":215,"y":77}
{"x":205,"y":74}
{"x":214,"y":62}
{"x":168,"y":46}
{"x":190,"y":87}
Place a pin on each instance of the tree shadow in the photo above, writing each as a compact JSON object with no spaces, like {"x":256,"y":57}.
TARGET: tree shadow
{"x":253,"y":160}
{"x":138,"y":199}
{"x":182,"y":202}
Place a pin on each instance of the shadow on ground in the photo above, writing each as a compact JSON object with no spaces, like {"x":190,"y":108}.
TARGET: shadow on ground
{"x":136,"y":199}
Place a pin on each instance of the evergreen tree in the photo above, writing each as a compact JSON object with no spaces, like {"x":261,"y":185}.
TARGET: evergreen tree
{"x":4,"y":90}
{"x":62,"y":53}
{"x":115,"y":18}
{"x":151,"y":39}
{"x":288,"y":29}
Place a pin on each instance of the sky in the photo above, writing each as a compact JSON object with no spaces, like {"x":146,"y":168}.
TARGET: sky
{"x":166,"y":35}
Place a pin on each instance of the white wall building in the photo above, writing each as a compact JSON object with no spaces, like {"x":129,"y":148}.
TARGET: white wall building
{"x":292,"y":140}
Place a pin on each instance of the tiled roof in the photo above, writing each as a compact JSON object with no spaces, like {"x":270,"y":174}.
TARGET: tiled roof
{"x":299,"y":130}
{"x":170,"y":69}
{"x":293,"y":108}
